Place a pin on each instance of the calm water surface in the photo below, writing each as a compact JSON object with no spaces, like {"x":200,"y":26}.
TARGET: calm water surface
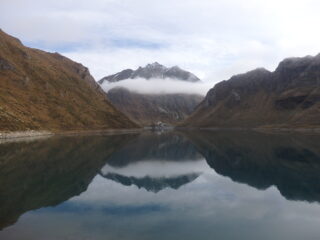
{"x":176,"y":185}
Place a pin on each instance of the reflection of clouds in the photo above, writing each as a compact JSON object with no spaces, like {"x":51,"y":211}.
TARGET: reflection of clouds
{"x":209,"y":188}
{"x":211,"y":206}
{"x":158,"y":168}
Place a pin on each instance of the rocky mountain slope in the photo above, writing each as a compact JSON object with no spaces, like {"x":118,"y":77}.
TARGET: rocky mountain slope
{"x":40,"y":90}
{"x":289,"y":97}
{"x":154,"y":70}
{"x":148,"y":108}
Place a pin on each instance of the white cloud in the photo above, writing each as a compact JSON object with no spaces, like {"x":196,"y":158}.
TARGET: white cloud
{"x":160,"y":86}
{"x":213,"y":39}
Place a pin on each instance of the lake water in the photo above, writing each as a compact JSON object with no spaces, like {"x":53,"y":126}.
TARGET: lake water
{"x":173,"y":185}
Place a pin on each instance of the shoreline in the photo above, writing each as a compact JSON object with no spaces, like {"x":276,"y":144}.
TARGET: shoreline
{"x":315,"y":130}
{"x":24,"y":134}
{"x":41,"y":133}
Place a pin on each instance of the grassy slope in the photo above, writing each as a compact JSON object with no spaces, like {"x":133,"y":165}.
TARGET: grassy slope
{"x":40,"y":90}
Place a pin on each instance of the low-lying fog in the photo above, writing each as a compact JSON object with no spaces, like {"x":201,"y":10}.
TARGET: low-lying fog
{"x":160,"y":86}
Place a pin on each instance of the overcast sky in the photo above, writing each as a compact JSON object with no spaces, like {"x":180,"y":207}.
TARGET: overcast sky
{"x":212,"y":38}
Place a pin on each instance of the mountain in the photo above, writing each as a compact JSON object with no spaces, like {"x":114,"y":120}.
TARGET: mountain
{"x":289,"y":97}
{"x":154,"y":70}
{"x":148,"y":108}
{"x":46,"y":91}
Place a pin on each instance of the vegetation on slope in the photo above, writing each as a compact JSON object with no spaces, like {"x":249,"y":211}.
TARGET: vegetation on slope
{"x":46,"y":91}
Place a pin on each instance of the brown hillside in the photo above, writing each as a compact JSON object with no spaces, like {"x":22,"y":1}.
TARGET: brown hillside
{"x":46,"y":91}
{"x":289,"y":97}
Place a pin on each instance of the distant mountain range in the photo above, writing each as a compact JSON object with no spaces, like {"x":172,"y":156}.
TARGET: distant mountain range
{"x":150,"y":71}
{"x":148,"y":108}
{"x":46,"y":91}
{"x":289,"y":97}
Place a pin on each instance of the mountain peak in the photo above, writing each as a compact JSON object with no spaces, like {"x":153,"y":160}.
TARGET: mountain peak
{"x":152,"y":71}
{"x":155,"y":64}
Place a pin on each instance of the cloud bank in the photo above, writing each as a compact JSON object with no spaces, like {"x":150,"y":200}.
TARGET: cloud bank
{"x":212,"y":39}
{"x":160,"y":86}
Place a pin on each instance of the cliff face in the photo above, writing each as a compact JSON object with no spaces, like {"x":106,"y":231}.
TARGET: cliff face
{"x":40,"y":90}
{"x":287,"y":97}
{"x":146,"y":109}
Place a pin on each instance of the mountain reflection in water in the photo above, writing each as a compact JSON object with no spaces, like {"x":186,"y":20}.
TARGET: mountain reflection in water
{"x":48,"y":172}
{"x":153,"y":162}
{"x":98,"y":187}
{"x":289,"y":162}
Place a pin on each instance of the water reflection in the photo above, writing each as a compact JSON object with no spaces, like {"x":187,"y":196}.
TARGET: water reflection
{"x":179,"y":185}
{"x":48,"y":172}
{"x":154,"y":162}
{"x":150,"y":146}
{"x":289,"y":162}
{"x":150,"y":183}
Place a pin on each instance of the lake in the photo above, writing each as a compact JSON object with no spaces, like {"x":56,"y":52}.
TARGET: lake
{"x":169,"y":185}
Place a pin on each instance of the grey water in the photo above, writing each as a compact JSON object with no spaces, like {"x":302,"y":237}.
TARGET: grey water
{"x":171,"y":185}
